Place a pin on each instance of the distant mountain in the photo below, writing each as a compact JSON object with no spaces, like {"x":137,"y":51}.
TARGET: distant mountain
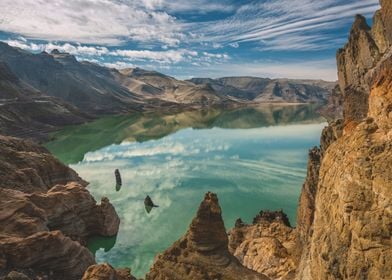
{"x":153,"y":85}
{"x":263,"y":90}
{"x":87,"y":86}
{"x":26,"y":112}
{"x":39,"y":92}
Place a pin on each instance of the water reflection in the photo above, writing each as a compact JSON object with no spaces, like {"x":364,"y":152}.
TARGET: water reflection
{"x":254,"y":158}
{"x":142,"y":127}
{"x":97,"y":243}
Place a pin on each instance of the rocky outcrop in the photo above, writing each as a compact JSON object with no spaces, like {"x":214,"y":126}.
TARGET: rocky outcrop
{"x":267,"y":245}
{"x":203,"y":252}
{"x":46,"y":213}
{"x":350,"y":237}
{"x":354,"y":61}
{"x":107,"y":272}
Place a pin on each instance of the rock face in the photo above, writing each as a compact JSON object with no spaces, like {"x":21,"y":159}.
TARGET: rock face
{"x":266,"y":246}
{"x":28,"y":167}
{"x":46,"y":213}
{"x":334,"y":107}
{"x":107,"y":272}
{"x":203,"y":252}
{"x":350,"y":235}
{"x":354,"y":61}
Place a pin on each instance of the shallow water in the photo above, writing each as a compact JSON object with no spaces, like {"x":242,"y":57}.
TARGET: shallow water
{"x":253,"y":158}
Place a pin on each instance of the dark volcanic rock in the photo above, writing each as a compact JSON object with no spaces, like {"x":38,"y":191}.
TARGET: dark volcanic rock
{"x":203,"y":252}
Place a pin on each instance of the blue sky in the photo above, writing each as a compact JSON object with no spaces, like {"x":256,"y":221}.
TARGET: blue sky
{"x":190,"y":38}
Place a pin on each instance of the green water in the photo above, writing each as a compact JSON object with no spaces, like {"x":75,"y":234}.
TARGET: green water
{"x":253,"y":158}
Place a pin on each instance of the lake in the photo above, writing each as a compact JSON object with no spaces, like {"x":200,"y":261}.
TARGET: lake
{"x":253,"y":158}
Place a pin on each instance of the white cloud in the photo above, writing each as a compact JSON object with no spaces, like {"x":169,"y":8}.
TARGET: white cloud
{"x":86,"y":21}
{"x":69,"y":48}
{"x":84,"y":52}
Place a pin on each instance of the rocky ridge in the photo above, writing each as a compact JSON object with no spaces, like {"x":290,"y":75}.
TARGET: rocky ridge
{"x":45,"y":207}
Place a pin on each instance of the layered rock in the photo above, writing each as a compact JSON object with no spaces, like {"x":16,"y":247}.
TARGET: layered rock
{"x":354,"y":61}
{"x":203,"y":252}
{"x":106,"y":272}
{"x":267,"y":245}
{"x":28,"y":167}
{"x":350,"y":237}
{"x":46,"y":213}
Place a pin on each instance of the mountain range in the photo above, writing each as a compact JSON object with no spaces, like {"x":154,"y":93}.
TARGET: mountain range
{"x":61,"y":90}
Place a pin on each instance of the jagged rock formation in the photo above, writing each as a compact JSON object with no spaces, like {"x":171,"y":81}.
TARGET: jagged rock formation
{"x":350,"y":235}
{"x":46,"y":213}
{"x":203,"y":252}
{"x":107,"y":272}
{"x":266,"y":246}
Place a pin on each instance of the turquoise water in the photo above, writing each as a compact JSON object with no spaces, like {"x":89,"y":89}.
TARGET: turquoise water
{"x":253,"y":159}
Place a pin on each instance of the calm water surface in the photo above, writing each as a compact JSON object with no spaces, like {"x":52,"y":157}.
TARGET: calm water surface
{"x":253,"y":158}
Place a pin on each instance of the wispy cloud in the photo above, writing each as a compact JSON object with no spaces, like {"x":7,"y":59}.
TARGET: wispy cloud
{"x":189,"y":37}
{"x":270,"y":22}
{"x":86,"y":21}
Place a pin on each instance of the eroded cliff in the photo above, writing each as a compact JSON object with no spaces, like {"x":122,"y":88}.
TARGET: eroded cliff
{"x":350,"y":235}
{"x":46,"y":214}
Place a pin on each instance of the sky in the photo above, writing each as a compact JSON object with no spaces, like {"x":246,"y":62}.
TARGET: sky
{"x":190,"y":38}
